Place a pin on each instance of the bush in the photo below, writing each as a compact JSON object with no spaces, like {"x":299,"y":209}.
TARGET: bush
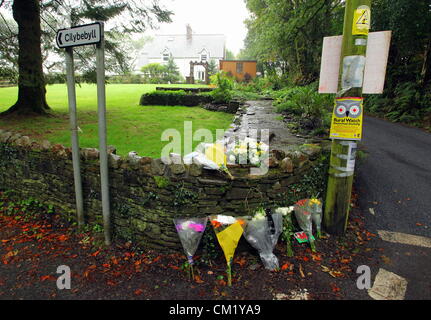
{"x":311,"y":109}
{"x":223,"y":92}
{"x":126,"y":79}
{"x":409,"y":103}
{"x":174,"y":98}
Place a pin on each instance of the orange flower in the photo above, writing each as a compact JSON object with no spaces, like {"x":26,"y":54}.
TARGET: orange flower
{"x":216,"y":224}
{"x":301,"y":203}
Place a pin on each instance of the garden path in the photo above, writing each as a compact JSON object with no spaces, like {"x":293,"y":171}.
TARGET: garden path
{"x":261,"y":115}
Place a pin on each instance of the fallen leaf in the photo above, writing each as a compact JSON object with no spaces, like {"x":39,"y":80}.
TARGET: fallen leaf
{"x":316,"y":257}
{"x":346,"y":260}
{"x":95,"y":253}
{"x":62,"y":238}
{"x":334,"y":288}
{"x":386,"y":259}
{"x":301,"y":272}
{"x":111,"y":283}
{"x":198,"y":279}
{"x":285,"y":266}
{"x":138,"y":292}
{"x":50,"y":277}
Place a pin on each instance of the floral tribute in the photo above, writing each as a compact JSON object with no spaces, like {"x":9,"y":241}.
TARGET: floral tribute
{"x":228,"y":231}
{"x":288,"y":228}
{"x":308,"y":211}
{"x":247,"y":151}
{"x":262,"y":232}
{"x":190,"y":231}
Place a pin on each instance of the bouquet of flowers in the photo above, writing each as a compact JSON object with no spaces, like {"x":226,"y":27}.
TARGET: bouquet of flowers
{"x":260,"y":234}
{"x":303,"y":216}
{"x":190,"y":231}
{"x":217,"y":153}
{"x":247,"y":151}
{"x":288,"y":229}
{"x":228,"y":231}
{"x":316,"y":214}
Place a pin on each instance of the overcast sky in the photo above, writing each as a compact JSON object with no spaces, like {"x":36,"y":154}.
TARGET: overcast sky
{"x":204,"y":16}
{"x":208,"y":16}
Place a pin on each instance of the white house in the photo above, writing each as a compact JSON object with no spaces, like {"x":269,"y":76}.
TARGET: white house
{"x":184,"y":48}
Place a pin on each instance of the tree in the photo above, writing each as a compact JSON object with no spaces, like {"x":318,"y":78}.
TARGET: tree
{"x":154,"y":73}
{"x":286,"y":36}
{"x":31,"y":83}
{"x":407,"y":95}
{"x":131,"y":16}
{"x":172,"y":73}
{"x":212,"y":68}
{"x":229,"y":55}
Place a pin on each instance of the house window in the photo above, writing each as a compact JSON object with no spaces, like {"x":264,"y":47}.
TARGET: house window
{"x":204,"y":57}
{"x":239,"y":68}
{"x":166,"y":57}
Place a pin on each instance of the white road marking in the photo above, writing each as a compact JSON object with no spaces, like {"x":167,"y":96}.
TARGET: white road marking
{"x":388,"y":286}
{"x":404,"y":238}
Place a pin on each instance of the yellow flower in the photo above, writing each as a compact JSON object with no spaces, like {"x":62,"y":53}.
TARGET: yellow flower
{"x":315,"y":201}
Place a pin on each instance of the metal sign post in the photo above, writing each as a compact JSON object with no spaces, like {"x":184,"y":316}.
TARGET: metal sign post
{"x":69,"y":38}
{"x":75,"y":140}
{"x":103,"y":148}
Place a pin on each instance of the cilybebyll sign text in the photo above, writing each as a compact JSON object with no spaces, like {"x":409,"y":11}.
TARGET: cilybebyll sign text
{"x":79,"y":35}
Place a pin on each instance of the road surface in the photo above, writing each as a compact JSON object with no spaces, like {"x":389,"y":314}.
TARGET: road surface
{"x":394,"y":185}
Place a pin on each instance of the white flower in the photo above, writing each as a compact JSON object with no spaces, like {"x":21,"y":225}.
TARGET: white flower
{"x":254,"y":160}
{"x":232,"y":158}
{"x":225,"y":219}
{"x":242,"y":149}
{"x":285,"y":211}
{"x":260,"y":215}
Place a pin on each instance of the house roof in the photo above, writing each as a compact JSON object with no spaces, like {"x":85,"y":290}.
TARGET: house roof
{"x":180,"y":47}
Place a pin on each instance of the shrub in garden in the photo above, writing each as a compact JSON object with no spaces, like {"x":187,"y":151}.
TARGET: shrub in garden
{"x":174,"y":98}
{"x":223,"y":92}
{"x":305,"y":105}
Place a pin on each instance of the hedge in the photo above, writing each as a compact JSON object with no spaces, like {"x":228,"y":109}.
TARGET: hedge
{"x":174,"y":98}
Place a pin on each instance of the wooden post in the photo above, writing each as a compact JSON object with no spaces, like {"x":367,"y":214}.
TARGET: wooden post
{"x":339,"y":189}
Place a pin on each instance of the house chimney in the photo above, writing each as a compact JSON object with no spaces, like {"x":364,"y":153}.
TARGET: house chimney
{"x":189,"y":32}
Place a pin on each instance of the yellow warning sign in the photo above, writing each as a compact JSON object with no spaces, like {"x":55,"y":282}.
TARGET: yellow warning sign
{"x":347,"y":119}
{"x":361,"y":21}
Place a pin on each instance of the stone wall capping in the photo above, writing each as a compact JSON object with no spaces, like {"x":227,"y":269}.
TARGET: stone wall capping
{"x":46,"y":145}
{"x":14,"y":138}
{"x":286,"y":165}
{"x":59,"y":150}
{"x":23,"y":141}
{"x":4,"y":137}
{"x":89,"y":153}
{"x":112,"y":150}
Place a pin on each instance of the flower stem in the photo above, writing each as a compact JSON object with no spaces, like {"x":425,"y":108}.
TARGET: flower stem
{"x":229,"y":274}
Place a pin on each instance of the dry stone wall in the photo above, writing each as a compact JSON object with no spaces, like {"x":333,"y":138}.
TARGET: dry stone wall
{"x":146,"y":193}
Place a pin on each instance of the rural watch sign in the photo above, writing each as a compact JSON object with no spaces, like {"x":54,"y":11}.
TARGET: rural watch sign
{"x":347,"y":119}
{"x":79,"y":35}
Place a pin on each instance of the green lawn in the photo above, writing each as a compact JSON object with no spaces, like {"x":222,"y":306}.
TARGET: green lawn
{"x":130,"y":126}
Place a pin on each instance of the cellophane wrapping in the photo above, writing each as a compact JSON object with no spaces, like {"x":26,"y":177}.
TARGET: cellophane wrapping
{"x":263,"y":238}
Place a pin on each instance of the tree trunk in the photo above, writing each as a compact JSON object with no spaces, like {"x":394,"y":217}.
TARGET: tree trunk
{"x":31,"y":84}
{"x":425,"y":73}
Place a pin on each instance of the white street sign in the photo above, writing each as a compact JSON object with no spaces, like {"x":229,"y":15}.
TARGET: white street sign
{"x":79,"y":35}
{"x":375,"y":65}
